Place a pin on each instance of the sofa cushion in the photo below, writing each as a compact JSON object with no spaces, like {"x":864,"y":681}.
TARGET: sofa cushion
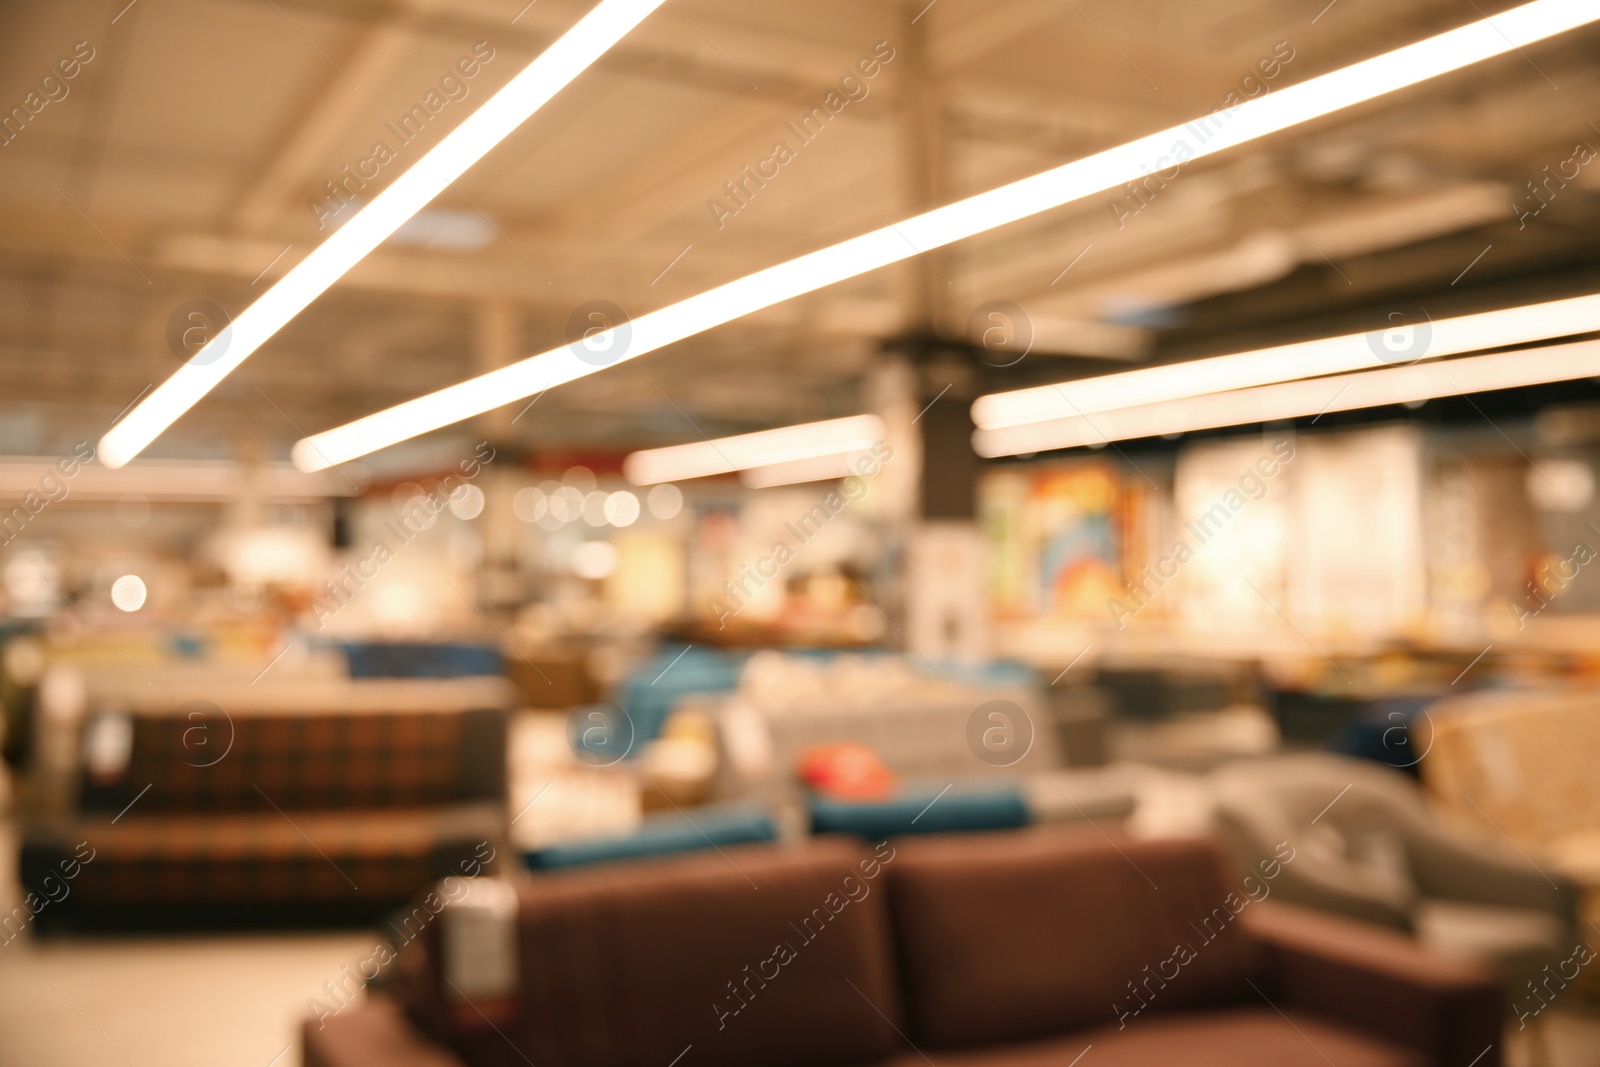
{"x":207,"y":762}
{"x":930,"y":810}
{"x":1236,"y":1037}
{"x":751,"y":954}
{"x":666,"y":832}
{"x":213,"y":861}
{"x":1008,"y":936}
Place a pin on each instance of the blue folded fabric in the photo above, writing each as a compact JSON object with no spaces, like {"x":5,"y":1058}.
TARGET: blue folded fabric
{"x":1383,"y":732}
{"x":649,"y":691}
{"x":415,"y":659}
{"x":669,"y":832}
{"x":920,"y":813}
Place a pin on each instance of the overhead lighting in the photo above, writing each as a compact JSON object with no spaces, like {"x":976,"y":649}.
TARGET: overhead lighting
{"x":798,"y":471}
{"x":1206,"y":135}
{"x":128,"y":592}
{"x":768,"y":448}
{"x":1401,"y":342}
{"x":664,"y":501}
{"x":503,"y":112}
{"x":1299,"y":399}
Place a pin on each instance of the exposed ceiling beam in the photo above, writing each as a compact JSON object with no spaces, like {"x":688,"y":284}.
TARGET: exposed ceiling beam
{"x":293,"y":161}
{"x":689,"y":37}
{"x":964,"y":34}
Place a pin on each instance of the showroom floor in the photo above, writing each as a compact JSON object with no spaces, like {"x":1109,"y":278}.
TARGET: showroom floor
{"x":164,"y":1002}
{"x":159,"y":1001}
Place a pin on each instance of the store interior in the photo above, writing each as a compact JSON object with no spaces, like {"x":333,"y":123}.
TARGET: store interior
{"x":518,"y":519}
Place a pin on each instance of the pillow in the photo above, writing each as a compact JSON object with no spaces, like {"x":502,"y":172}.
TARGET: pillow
{"x":1009,"y":936}
{"x":848,"y":770}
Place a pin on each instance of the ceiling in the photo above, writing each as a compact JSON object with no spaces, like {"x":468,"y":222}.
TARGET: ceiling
{"x":190,"y":157}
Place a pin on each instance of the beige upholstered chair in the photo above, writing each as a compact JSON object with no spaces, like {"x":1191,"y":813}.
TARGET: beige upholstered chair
{"x":1522,"y":763}
{"x":1366,"y":846}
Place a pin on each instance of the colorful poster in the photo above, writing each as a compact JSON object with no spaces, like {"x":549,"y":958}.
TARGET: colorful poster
{"x":1078,"y":545}
{"x":1055,"y":539}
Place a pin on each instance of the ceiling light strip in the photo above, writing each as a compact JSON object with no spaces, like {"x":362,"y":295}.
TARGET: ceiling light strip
{"x":819,"y":469}
{"x":766,"y":448}
{"x":502,"y":113}
{"x":1287,"y":107}
{"x":1305,"y":359}
{"x":1304,"y":398}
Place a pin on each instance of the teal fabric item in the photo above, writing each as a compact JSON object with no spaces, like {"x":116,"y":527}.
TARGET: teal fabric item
{"x":420,"y":659}
{"x":649,"y":691}
{"x":669,"y":832}
{"x":920,"y":813}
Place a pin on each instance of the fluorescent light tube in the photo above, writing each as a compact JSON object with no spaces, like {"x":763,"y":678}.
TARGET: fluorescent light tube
{"x":1298,"y":399}
{"x":1280,"y":110}
{"x":1282,"y":363}
{"x":767,"y":448}
{"x":800,"y":471}
{"x":503,"y":112}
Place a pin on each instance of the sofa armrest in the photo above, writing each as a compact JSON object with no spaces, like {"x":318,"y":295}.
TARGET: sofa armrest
{"x":1382,"y":982}
{"x":376,"y":1033}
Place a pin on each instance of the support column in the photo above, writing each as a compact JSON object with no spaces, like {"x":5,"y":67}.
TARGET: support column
{"x":923,"y":281}
{"x":947,"y":606}
{"x":497,"y":328}
{"x":946,"y":610}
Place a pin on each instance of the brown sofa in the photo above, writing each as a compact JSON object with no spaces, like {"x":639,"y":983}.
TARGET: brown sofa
{"x":999,"y":950}
{"x":289,"y":816}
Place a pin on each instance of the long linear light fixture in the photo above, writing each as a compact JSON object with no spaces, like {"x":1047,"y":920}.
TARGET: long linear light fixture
{"x":1282,"y":363}
{"x":755,"y":451}
{"x":1300,"y":398}
{"x":555,"y":67}
{"x":799,"y":471}
{"x":1256,"y":118}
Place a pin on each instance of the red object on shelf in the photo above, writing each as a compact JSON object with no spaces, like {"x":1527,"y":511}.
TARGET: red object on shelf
{"x":848,"y":770}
